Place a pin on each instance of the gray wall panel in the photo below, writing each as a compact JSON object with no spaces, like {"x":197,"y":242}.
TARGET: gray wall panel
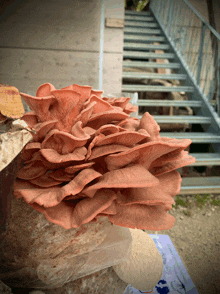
{"x":58,"y":41}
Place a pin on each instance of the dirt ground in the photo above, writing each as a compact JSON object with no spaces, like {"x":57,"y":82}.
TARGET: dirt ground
{"x":197,"y":241}
{"x":196,"y":238}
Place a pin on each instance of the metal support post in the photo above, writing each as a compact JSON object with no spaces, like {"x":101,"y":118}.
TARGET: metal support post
{"x":200,"y":53}
{"x":170,"y":17}
{"x":218,"y":82}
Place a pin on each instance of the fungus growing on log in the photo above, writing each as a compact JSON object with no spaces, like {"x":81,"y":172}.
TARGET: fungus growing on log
{"x":10,"y":102}
{"x":89,"y":159}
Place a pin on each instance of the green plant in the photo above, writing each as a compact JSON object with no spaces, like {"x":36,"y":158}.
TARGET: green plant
{"x":138,"y":4}
{"x":179,"y":201}
{"x":188,"y":212}
{"x":202,"y":200}
{"x":141,"y":5}
{"x":199,"y":200}
{"x":215,"y":202}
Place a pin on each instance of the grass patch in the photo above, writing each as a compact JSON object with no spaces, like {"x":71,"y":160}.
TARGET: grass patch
{"x":180,"y":202}
{"x":202,"y":200}
{"x":215,"y":202}
{"x":188,"y":213}
{"x":198,"y":200}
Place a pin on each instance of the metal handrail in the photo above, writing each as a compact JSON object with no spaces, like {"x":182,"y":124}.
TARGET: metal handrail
{"x":195,"y":41}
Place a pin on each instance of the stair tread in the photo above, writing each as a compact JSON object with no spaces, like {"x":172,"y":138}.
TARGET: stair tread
{"x":143,"y":75}
{"x":139,"y":17}
{"x":180,"y":135}
{"x":206,"y":159}
{"x":143,"y":24}
{"x":180,"y":119}
{"x":206,"y":155}
{"x":196,"y":137}
{"x":144,"y":55}
{"x":154,"y":102}
{"x":131,"y":12}
{"x":139,"y":46}
{"x":150,"y":64}
{"x":141,"y":88}
{"x":144,"y":38}
{"x":142,"y":31}
{"x":196,"y":185}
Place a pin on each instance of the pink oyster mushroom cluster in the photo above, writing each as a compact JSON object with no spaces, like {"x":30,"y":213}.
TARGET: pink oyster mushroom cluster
{"x":89,"y":158}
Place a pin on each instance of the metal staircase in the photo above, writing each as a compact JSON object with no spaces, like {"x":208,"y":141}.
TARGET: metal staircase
{"x":143,"y":37}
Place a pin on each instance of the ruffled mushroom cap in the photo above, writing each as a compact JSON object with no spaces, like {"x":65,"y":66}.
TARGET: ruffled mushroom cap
{"x":42,"y":129}
{"x":90,"y":159}
{"x":30,"y":118}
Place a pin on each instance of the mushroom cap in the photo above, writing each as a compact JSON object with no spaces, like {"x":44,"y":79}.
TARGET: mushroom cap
{"x":89,"y":159}
{"x":10,"y":102}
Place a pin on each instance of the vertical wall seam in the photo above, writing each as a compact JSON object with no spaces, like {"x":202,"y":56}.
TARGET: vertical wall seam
{"x":102,"y":27}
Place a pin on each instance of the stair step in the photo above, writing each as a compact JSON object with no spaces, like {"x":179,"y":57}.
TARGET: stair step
{"x":147,"y":38}
{"x":150,"y":64}
{"x":143,"y":88}
{"x":142,"y":31}
{"x":195,"y":137}
{"x":206,"y":159}
{"x":200,"y":185}
{"x":139,"y":34}
{"x":177,"y":103}
{"x":131,"y":12}
{"x":143,"y":75}
{"x":143,"y":24}
{"x":139,"y":46}
{"x":139,"y":17}
{"x":191,"y":119}
{"x":145,"y":55}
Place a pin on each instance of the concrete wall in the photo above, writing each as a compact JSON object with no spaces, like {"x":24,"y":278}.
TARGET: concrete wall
{"x":58,"y":41}
{"x":113,"y":49}
{"x":201,"y":7}
{"x":217,"y":14}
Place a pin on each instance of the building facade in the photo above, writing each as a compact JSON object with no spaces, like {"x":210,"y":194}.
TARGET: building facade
{"x":58,"y":41}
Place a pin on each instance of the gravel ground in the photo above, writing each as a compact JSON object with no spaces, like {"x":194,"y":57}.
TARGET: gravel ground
{"x":196,"y":237}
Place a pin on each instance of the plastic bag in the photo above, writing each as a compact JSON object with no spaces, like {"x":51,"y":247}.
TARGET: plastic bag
{"x":39,"y":254}
{"x":113,"y":250}
{"x":11,"y":145}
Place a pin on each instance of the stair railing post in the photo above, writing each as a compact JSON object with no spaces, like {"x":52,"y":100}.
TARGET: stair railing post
{"x":134,"y":102}
{"x":218,"y":81}
{"x":160,"y":9}
{"x":200,"y":53}
{"x":170,"y":17}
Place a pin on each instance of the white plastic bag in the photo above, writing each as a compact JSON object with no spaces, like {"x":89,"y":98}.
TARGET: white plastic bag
{"x":41,"y":255}
{"x":11,"y":143}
